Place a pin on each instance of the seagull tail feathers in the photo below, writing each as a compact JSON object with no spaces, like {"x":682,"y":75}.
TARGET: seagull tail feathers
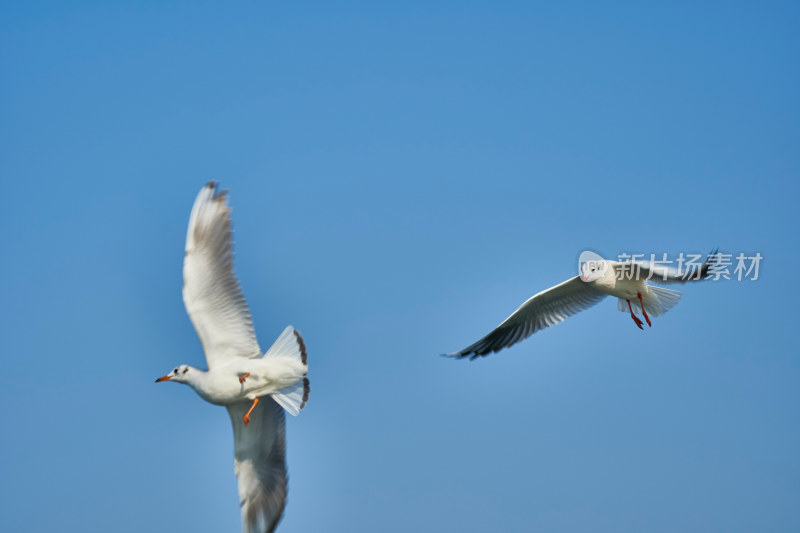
{"x":291,"y":345}
{"x":657,"y":301}
{"x":294,"y":397}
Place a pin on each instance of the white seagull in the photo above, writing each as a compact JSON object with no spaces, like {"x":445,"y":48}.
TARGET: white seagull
{"x":598,"y":278}
{"x":239,"y":376}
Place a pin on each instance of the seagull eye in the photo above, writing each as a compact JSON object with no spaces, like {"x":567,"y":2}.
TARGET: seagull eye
{"x":175,"y":371}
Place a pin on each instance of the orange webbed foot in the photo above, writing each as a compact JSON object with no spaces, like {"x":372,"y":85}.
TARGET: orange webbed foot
{"x":246,"y":418}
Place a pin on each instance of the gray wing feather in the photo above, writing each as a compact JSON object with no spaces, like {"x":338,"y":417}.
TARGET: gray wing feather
{"x":663,"y":275}
{"x":545,"y":309}
{"x":260,"y":464}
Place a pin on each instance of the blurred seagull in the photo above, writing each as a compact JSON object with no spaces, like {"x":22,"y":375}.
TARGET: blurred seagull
{"x":239,"y":376}
{"x":598,"y":278}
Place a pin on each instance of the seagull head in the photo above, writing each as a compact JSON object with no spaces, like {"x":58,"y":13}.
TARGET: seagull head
{"x":593,"y":270}
{"x":181,"y":374}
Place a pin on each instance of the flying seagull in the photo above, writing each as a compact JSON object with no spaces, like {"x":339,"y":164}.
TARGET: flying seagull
{"x":598,"y":278}
{"x":256,"y":387}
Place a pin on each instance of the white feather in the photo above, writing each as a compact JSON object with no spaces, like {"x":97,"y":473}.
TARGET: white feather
{"x":542,"y":310}
{"x":211,"y":293}
{"x":260,"y":464}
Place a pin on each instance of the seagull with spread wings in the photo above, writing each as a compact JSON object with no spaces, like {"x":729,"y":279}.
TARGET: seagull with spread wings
{"x":256,"y":388}
{"x":598,"y":278}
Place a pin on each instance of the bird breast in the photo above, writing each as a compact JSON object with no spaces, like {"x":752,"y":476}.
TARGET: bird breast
{"x":621,"y":288}
{"x":222,"y":386}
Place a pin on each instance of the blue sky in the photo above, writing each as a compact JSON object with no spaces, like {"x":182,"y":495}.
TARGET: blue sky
{"x":402,"y":177}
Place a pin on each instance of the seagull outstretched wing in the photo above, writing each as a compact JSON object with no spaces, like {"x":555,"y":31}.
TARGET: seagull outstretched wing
{"x":211,"y":293}
{"x":260,"y":464}
{"x":549,"y":307}
{"x":665,"y":275}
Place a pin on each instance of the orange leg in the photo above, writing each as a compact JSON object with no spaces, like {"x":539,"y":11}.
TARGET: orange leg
{"x":643,"y":309}
{"x":634,"y":317}
{"x":244,"y":377}
{"x":247,"y":415}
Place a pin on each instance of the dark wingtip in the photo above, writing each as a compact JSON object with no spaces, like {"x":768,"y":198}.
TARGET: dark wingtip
{"x":711,"y":259}
{"x":213,"y":185}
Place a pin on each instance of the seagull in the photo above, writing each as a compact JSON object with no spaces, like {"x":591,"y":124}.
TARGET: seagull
{"x":256,"y":388}
{"x":598,"y":278}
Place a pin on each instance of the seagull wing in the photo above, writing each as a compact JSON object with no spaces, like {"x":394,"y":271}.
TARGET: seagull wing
{"x":212,"y":296}
{"x":549,"y":307}
{"x":664,"y":275}
{"x":260,"y":464}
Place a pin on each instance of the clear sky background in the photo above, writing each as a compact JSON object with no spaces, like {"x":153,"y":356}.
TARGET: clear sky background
{"x":403,"y":177}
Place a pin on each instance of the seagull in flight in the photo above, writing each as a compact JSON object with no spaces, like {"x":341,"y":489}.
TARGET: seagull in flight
{"x":255,"y":387}
{"x":598,"y":278}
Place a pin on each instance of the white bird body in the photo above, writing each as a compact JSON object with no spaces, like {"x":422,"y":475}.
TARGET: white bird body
{"x":238,"y":373}
{"x":267,"y":376}
{"x":598,"y":278}
{"x":621,"y":287}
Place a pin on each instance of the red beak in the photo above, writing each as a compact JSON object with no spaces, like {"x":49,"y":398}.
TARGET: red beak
{"x":163,"y":378}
